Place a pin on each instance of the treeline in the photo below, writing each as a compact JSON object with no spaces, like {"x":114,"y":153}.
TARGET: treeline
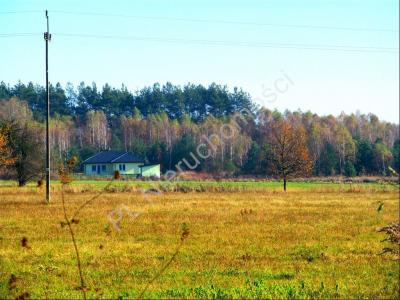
{"x":166,"y":124}
{"x":196,"y":101}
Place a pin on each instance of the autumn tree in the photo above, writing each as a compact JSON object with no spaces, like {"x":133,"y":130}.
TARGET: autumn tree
{"x":97,"y":129}
{"x":27,"y":151}
{"x":6,"y":158}
{"x":289,"y":154}
{"x":15,"y":109}
{"x":382,"y":155}
{"x":61,"y":134}
{"x":344,"y":146}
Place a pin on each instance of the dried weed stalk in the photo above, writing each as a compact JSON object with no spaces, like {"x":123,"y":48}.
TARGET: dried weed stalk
{"x":184,"y":235}
{"x":393,"y":236}
{"x":65,"y":178}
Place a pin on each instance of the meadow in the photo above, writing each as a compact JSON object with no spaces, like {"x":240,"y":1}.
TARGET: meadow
{"x":246,"y":240}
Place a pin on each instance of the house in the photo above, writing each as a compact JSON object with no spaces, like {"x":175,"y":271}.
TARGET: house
{"x":107,"y":162}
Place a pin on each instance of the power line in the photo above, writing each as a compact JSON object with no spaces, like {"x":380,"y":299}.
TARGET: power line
{"x":237,"y":43}
{"x":298,"y":26}
{"x":346,"y":48}
{"x":19,"y":34}
{"x":20,"y":12}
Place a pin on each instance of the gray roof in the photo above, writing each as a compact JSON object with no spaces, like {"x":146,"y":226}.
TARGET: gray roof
{"x":110,"y":156}
{"x":128,"y":157}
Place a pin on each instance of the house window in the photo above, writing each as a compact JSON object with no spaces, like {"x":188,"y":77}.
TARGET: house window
{"x":122,"y":167}
{"x":103,"y":168}
{"x":93,"y":168}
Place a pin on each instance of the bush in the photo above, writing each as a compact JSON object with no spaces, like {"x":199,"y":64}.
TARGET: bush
{"x":230,"y":167}
{"x":40,"y":183}
{"x":349,"y":169}
{"x":117,"y":175}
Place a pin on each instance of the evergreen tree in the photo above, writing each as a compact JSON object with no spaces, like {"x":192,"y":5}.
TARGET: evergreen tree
{"x":329,"y":160}
{"x":252,"y":164}
{"x":365,"y":158}
{"x":349,"y":169}
{"x":396,"y":155}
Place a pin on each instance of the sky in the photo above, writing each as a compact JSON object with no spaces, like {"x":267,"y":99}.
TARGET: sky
{"x":325,"y":56}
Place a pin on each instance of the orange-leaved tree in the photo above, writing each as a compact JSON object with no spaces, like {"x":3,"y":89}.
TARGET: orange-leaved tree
{"x":6,"y":158}
{"x":289,"y":153}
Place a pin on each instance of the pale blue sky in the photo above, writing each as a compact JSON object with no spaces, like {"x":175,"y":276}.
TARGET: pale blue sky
{"x":324,"y":81}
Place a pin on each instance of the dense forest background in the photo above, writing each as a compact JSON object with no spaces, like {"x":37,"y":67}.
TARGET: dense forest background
{"x":166,"y":123}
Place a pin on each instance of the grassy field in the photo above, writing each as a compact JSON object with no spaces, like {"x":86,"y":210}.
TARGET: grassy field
{"x":247,"y":240}
{"x":206,"y":186}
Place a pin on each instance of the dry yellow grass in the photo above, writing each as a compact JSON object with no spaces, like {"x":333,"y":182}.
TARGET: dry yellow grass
{"x":303,"y":244}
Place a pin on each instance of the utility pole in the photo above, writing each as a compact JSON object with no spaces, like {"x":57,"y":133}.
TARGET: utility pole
{"x":47,"y":38}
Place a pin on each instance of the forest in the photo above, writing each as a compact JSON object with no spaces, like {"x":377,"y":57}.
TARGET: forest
{"x":165,"y":124}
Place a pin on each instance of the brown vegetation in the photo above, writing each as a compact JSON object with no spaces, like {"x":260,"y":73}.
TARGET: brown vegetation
{"x":393,"y":236}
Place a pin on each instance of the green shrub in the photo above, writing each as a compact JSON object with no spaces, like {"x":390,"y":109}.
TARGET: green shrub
{"x":349,"y":169}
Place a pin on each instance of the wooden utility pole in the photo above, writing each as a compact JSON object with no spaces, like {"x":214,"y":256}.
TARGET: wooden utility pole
{"x":47,"y":38}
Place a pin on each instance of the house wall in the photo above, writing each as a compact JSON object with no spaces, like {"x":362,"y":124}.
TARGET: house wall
{"x":130,"y":168}
{"x":88,"y":170}
{"x":153,"y":170}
